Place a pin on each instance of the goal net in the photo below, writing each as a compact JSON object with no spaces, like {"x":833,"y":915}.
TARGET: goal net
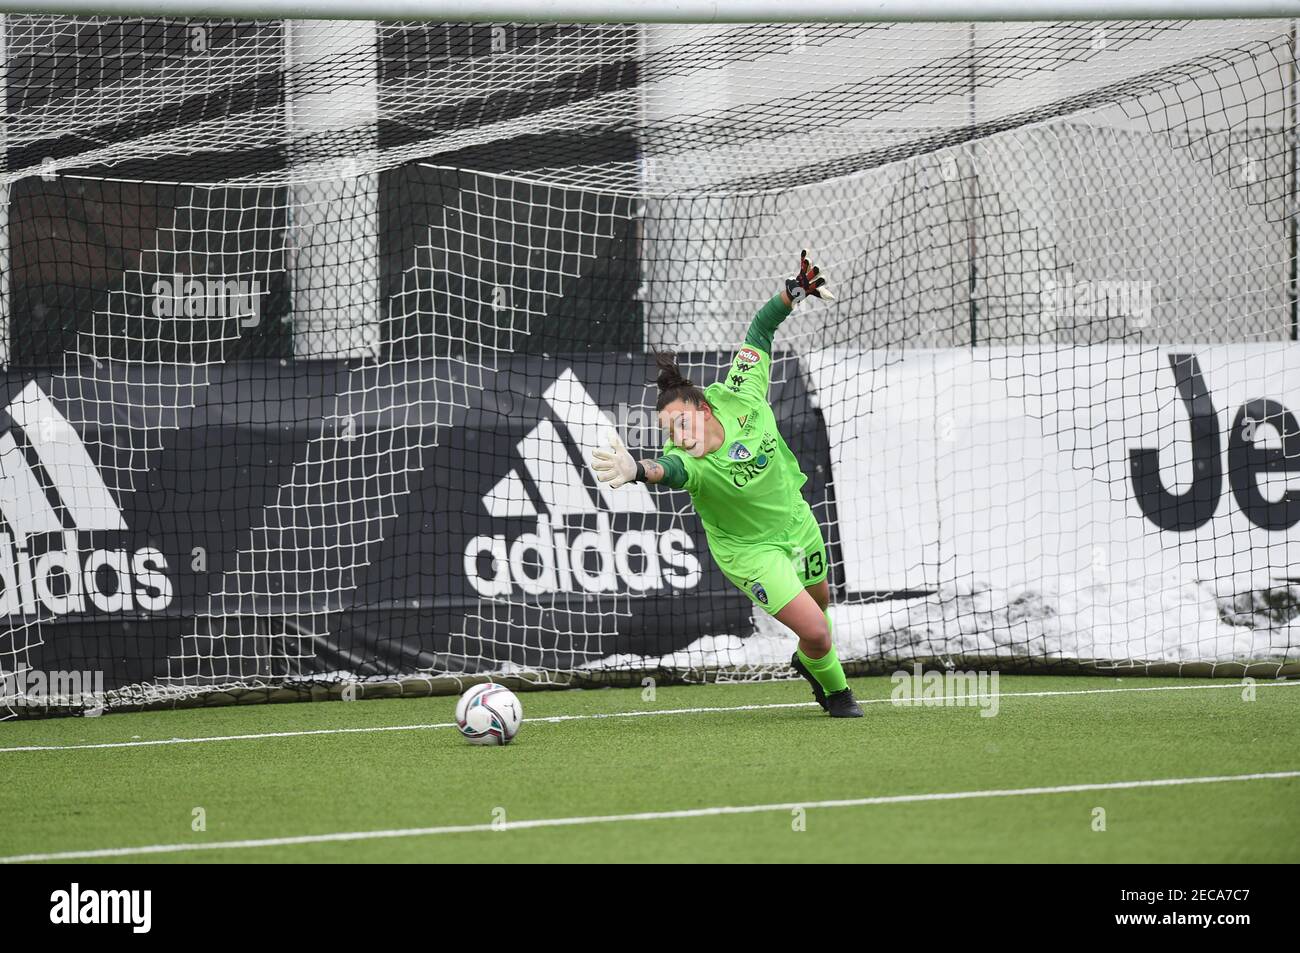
{"x":309,"y":328}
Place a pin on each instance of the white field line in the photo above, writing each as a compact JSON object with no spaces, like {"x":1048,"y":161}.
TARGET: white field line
{"x":342,"y":836}
{"x":647,"y":713}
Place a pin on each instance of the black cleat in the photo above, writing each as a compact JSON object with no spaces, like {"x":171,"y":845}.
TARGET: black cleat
{"x":816,"y":685}
{"x":842,"y":704}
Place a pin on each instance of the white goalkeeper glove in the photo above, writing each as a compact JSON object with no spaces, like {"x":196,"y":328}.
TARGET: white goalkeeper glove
{"x":614,"y":465}
{"x":809,"y":281}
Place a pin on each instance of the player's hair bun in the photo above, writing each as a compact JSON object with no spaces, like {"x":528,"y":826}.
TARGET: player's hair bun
{"x":672,"y":385}
{"x":670,"y":376}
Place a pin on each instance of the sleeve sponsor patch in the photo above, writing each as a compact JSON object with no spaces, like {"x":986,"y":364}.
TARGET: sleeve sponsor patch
{"x":749,"y":355}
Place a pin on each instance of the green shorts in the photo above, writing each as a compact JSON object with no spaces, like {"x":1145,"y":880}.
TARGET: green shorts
{"x":772,"y":571}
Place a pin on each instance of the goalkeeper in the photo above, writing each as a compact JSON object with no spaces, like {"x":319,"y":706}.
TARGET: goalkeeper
{"x":724,"y":449}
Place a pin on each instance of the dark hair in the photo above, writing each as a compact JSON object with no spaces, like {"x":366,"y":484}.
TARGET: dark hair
{"x":672,"y":385}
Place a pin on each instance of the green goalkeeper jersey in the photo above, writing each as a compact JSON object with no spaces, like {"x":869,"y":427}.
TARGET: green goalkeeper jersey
{"x":750,"y":486}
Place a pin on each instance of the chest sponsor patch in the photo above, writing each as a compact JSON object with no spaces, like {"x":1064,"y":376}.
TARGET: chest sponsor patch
{"x":739,"y":451}
{"x":748,"y":355}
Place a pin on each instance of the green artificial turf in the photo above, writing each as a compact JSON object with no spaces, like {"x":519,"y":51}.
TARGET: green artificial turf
{"x":125,"y":797}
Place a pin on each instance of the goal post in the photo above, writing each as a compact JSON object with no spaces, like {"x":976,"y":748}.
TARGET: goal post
{"x":311,"y":324}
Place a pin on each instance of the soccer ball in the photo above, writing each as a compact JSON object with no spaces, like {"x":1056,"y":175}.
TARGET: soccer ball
{"x":489,"y":714}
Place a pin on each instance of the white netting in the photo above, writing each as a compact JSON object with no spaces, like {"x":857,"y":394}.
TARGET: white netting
{"x":310,"y":326}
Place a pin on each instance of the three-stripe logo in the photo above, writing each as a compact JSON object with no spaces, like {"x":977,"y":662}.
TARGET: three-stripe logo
{"x":51,"y":494}
{"x":583,"y":542}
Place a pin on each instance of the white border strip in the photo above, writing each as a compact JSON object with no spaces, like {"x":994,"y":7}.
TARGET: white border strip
{"x":344,"y":836}
{"x":675,"y":11}
{"x":644,"y":713}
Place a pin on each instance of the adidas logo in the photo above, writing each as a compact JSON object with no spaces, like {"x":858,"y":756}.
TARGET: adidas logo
{"x":575,"y":547}
{"x":50,"y":493}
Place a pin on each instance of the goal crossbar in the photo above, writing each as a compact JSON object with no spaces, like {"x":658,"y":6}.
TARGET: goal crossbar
{"x":675,"y":11}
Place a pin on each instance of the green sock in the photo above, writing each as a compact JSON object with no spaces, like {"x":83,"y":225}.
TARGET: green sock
{"x":827,"y":670}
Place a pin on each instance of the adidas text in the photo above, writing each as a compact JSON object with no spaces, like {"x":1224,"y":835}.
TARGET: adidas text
{"x":562,"y":558}
{"x":66,"y":580}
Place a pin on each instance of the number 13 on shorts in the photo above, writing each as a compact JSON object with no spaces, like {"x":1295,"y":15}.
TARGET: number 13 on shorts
{"x":812,"y":566}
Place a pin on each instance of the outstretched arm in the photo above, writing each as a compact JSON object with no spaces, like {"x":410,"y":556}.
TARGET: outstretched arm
{"x":665,"y":470}
{"x":768,"y":319}
{"x":615,"y":466}
{"x":749,"y":371}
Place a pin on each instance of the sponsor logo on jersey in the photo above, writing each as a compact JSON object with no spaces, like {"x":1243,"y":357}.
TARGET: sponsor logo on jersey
{"x":759,"y":592}
{"x":49,"y":504}
{"x":748,"y":355}
{"x":739,"y":451}
{"x":602,"y":543}
{"x":748,"y":469}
